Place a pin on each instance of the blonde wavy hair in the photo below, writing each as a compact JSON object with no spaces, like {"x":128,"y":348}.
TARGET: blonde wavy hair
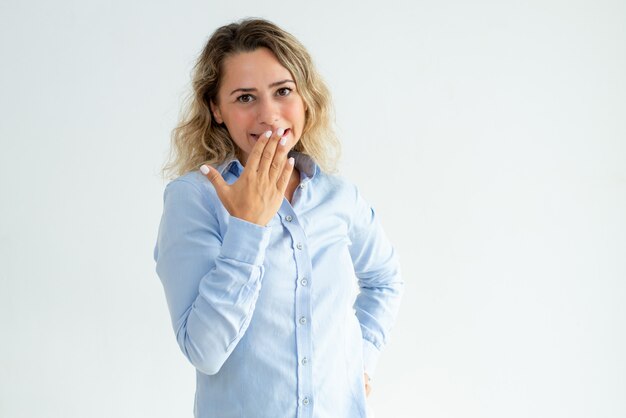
{"x":198,"y":139}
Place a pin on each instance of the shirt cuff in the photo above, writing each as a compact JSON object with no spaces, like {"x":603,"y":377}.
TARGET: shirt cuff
{"x":245,"y":241}
{"x":370,"y":358}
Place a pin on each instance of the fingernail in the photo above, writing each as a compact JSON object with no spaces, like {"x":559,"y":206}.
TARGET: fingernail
{"x":280,"y":131}
{"x":268,"y":134}
{"x":204,"y":169}
{"x":291,"y":160}
{"x":283,"y":140}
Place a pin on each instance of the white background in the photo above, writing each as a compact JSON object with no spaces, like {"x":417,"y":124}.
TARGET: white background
{"x":490,"y":137}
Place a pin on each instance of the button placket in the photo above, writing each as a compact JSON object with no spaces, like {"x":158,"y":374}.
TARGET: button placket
{"x":302,"y":312}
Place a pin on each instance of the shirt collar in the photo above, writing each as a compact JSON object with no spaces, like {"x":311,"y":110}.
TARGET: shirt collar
{"x":305,"y":164}
{"x":232,"y":165}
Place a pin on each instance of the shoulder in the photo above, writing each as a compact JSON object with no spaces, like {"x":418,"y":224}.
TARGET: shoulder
{"x":337,"y":184}
{"x":195,"y":178}
{"x":192,"y":180}
{"x":191,"y":188}
{"x":359,"y":211}
{"x":341,"y":196}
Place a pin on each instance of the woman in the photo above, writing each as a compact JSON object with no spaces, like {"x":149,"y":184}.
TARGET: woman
{"x":260,"y":246}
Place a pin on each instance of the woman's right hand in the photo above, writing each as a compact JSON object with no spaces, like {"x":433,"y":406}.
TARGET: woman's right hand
{"x":258,"y":193}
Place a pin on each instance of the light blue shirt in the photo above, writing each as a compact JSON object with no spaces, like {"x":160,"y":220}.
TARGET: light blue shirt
{"x":271,"y":316}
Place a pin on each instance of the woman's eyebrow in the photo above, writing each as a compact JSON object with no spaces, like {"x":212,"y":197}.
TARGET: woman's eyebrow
{"x":274,"y":84}
{"x":278,"y":83}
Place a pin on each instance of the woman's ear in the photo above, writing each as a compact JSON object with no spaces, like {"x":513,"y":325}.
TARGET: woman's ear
{"x":217,"y":115}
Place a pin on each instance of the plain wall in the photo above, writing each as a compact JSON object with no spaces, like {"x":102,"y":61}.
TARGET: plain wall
{"x":489,"y":136}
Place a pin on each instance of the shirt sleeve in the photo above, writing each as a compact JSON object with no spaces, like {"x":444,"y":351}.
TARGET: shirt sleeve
{"x":211,"y":281}
{"x":377,"y":269}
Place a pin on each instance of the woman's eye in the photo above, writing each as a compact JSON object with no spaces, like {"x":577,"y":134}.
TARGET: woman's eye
{"x":244,"y":98}
{"x":284,"y":91}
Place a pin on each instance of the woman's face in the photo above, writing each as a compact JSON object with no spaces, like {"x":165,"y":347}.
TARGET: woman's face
{"x":258,"y":94}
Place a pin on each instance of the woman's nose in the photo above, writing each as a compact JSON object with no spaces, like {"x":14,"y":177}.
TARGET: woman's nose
{"x":268,"y":112}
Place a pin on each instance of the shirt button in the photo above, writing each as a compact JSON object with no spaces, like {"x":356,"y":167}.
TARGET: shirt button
{"x":302,"y":185}
{"x":305,"y":401}
{"x":302,"y":320}
{"x":289,"y":218}
{"x":304,"y":281}
{"x":304,"y":361}
{"x":299,"y":245}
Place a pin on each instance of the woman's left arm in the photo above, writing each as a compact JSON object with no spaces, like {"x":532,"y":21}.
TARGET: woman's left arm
{"x":381,"y":286}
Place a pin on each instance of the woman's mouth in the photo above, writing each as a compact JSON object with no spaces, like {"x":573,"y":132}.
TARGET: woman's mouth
{"x":255,"y":137}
